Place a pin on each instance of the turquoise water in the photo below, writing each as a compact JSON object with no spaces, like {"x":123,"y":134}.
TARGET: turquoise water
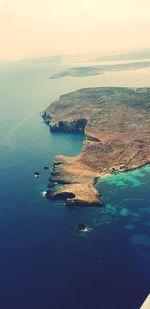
{"x":44,"y":262}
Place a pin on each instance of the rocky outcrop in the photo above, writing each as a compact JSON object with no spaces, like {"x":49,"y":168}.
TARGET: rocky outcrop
{"x":77,"y":185}
{"x":76,"y":126}
{"x":116,"y":125}
{"x":46,"y":117}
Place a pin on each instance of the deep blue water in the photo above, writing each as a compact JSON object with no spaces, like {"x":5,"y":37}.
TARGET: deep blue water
{"x":44,"y":262}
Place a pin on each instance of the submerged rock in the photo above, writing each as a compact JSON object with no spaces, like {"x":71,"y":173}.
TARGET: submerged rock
{"x":83,"y":228}
{"x":36,"y":174}
{"x":46,"y":194}
{"x":50,"y":185}
{"x":46,"y":167}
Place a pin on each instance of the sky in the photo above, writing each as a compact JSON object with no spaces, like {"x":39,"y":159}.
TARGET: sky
{"x":35,"y":28}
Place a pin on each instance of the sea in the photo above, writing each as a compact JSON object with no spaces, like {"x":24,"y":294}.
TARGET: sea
{"x":44,"y":262}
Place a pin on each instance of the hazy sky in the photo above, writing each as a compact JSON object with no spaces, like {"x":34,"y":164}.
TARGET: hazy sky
{"x":31,"y":28}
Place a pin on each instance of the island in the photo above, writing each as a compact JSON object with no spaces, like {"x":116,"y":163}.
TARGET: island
{"x":115,"y":122}
{"x":93,"y":70}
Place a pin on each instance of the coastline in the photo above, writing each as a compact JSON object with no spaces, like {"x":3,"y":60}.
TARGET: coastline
{"x":108,"y":118}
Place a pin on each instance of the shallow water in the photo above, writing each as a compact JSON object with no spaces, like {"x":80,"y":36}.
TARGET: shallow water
{"x":44,"y":262}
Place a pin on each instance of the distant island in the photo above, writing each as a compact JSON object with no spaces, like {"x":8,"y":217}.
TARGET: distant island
{"x":94,"y":70}
{"x":116,"y":126}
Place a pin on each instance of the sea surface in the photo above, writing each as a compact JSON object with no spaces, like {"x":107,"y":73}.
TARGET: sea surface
{"x":44,"y":262}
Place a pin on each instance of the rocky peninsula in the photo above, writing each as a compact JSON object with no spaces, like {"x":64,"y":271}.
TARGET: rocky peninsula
{"x":116,"y":126}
